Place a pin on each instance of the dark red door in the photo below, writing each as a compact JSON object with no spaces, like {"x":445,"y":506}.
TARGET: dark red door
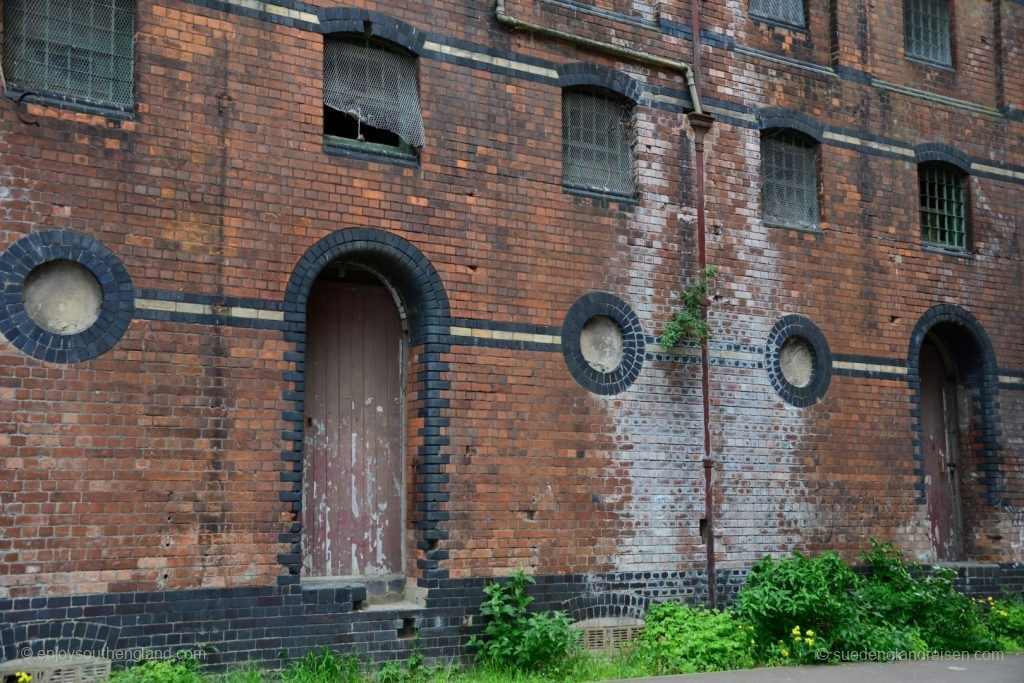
{"x":939,"y":443}
{"x":354,"y":464}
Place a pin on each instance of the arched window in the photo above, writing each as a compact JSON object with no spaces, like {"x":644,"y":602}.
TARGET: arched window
{"x":943,"y":200}
{"x":371,"y":95}
{"x":789,"y":170}
{"x":597,"y":142}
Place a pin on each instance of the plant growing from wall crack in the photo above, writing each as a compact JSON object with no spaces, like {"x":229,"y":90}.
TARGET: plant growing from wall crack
{"x":687,"y":322}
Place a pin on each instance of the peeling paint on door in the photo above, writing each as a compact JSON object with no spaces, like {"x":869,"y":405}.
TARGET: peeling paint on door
{"x":353,"y":482}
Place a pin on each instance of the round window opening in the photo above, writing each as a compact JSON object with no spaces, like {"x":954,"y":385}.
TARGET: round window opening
{"x":601,"y":343}
{"x":62,"y":297}
{"x":796,"y":360}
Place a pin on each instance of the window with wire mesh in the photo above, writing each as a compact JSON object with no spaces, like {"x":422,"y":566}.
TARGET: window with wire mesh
{"x":926,"y":30}
{"x":789,"y":12}
{"x":77,"y":50}
{"x":597,"y":153}
{"x":371,"y":94}
{"x":789,"y":170}
{"x":943,"y":205}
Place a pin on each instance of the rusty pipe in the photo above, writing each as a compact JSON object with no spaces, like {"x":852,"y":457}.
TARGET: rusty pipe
{"x":701,"y":124}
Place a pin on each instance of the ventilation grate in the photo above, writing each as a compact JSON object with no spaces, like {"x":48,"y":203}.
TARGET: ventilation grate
{"x":608,"y":634}
{"x":783,"y":11}
{"x":597,"y":147}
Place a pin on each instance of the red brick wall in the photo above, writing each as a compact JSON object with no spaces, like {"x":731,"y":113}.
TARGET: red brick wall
{"x":157,"y":465}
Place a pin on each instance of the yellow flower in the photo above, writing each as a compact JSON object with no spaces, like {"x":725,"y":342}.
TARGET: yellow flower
{"x":751,"y":641}
{"x":785,"y":652}
{"x":23,"y":677}
{"x":809,"y":641}
{"x":1003,"y":613}
{"x":796,"y":631}
{"x":810,"y":633}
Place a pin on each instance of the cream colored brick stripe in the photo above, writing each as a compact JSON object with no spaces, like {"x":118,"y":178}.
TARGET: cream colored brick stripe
{"x":1010,"y":379}
{"x":488,"y":59}
{"x":506,"y":335}
{"x":276,"y":10}
{"x":869,"y":367}
{"x":207,"y":309}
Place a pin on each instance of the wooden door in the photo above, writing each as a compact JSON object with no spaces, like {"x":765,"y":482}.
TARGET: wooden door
{"x":939,"y":425}
{"x":353,"y":451}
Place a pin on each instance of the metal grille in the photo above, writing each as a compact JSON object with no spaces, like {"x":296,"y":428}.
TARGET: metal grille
{"x":80,"y":50}
{"x":789,"y":169}
{"x":596,"y":145}
{"x":942,"y":206}
{"x":785,"y":11}
{"x":374,"y":84}
{"x":926,"y":30}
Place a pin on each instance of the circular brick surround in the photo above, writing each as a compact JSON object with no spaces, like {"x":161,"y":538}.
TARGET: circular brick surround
{"x":596,"y":305}
{"x":116,"y":308}
{"x":811,"y":391}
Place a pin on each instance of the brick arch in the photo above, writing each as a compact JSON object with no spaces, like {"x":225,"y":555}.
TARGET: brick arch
{"x":47,"y":637}
{"x":417,"y":283}
{"x":976,"y":361}
{"x":613,"y":604}
{"x":583,"y":75}
{"x":353,"y":20}
{"x":771,"y":118}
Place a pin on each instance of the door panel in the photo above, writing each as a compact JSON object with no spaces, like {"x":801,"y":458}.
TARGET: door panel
{"x":353,"y":452}
{"x":939,"y":447}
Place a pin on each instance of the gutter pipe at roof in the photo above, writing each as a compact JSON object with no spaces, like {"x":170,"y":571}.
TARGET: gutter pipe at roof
{"x":606,"y":48}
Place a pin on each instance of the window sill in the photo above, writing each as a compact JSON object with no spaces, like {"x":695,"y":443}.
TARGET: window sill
{"x":341,"y":147}
{"x":60,"y":102}
{"x":795,"y":228}
{"x":631,"y":200}
{"x":779,"y":23}
{"x":930,"y":64}
{"x":946,"y":251}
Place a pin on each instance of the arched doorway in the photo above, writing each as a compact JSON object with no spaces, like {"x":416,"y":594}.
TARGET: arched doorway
{"x":353,"y":493}
{"x":941,"y":400}
{"x":953,"y":369}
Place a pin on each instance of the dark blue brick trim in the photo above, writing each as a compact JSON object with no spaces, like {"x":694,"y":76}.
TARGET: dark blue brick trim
{"x":633,"y":343}
{"x":425,"y":301}
{"x":976,"y":362}
{"x":581,"y":74}
{"x":848,"y":73}
{"x":371,"y":24}
{"x":936,"y":151}
{"x":269,"y":17}
{"x":504,"y":326}
{"x":506,"y":344}
{"x":208,"y":299}
{"x":211,"y":319}
{"x":777,"y":117}
{"x":821,"y":372}
{"x":116,"y":308}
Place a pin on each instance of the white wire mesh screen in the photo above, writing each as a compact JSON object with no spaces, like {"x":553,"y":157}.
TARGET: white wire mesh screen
{"x":926,"y":30}
{"x":76,"y":49}
{"x":785,"y":11}
{"x":596,"y":143}
{"x":790,"y":176}
{"x":375,"y":85}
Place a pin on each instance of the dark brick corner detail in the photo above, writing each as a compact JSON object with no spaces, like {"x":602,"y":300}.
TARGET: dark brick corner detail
{"x":935,"y":151}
